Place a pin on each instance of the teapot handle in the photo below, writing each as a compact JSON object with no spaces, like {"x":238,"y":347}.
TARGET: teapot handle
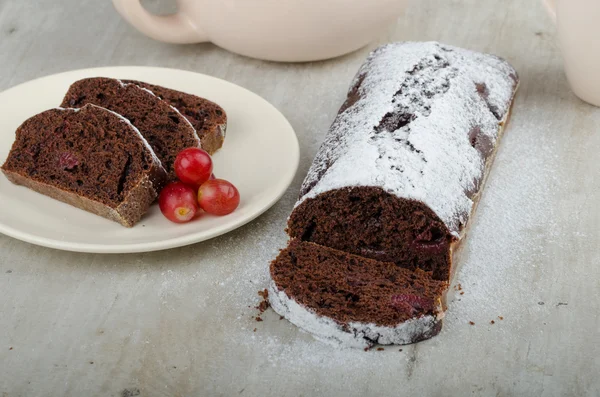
{"x":551,"y":8}
{"x":175,"y":28}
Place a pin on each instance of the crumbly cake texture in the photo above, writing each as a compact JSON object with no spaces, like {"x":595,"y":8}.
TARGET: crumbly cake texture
{"x":91,"y":158}
{"x":208,"y":118}
{"x":362,"y":295}
{"x":167,"y":131}
{"x":401,"y":169}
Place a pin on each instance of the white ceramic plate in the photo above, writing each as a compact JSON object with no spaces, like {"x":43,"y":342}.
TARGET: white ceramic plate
{"x":260,"y":156}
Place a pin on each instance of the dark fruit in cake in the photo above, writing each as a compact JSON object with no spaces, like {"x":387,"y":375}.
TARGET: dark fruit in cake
{"x":167,"y":131}
{"x":178,"y":202}
{"x":90,"y":158}
{"x":193,"y":166}
{"x":208,"y":118}
{"x":218,"y":197}
{"x":411,"y":304}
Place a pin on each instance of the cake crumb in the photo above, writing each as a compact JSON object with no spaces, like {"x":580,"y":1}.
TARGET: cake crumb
{"x":471,"y":322}
{"x":400,"y":350}
{"x":281,"y":317}
{"x":492,"y":322}
{"x":254,"y":330}
{"x":366,"y":349}
{"x":10,"y":348}
{"x":462,"y":292}
{"x":501,"y":318}
{"x":258,"y":318}
{"x":380,"y":349}
{"x":264,"y":304}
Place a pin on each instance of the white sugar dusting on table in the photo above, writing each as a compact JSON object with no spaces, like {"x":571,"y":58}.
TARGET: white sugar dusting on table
{"x":515,"y":200}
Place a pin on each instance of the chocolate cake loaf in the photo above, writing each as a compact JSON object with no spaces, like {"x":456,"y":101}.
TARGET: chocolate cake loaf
{"x":208,"y":118}
{"x":167,"y":131}
{"x":91,"y":158}
{"x":399,"y":173}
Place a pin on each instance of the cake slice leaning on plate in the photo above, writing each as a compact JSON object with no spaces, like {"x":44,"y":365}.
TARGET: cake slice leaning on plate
{"x":395,"y":182}
{"x":91,"y":158}
{"x":208,"y":118}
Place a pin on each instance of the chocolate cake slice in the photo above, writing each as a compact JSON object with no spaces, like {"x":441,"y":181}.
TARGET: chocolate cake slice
{"x":403,"y":164}
{"x":208,"y":118}
{"x":167,"y":131}
{"x":90,"y":158}
{"x":344,"y":298}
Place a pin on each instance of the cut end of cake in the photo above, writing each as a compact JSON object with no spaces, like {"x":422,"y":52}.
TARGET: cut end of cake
{"x":372,"y":223}
{"x":342,"y":296}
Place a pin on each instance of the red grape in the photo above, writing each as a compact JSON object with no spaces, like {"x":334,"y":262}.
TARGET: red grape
{"x":218,"y":197}
{"x":178,"y":202}
{"x":193,"y":166}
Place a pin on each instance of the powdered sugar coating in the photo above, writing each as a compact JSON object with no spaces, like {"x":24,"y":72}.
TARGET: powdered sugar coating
{"x":409,"y":130}
{"x":357,"y":335}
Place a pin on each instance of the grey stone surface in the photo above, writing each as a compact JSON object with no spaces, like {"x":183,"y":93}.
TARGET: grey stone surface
{"x":178,"y":322}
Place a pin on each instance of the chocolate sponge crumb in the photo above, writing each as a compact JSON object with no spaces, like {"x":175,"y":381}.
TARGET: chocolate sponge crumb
{"x":264,"y":304}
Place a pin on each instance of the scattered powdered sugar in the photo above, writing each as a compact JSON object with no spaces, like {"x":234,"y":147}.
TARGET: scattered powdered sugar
{"x":496,"y":262}
{"x":408,"y":133}
{"x":515,"y":220}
